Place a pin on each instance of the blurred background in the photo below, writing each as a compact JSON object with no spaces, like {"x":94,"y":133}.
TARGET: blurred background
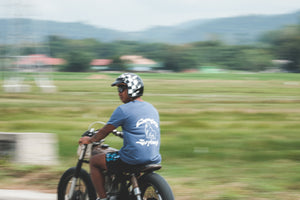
{"x":224,"y":77}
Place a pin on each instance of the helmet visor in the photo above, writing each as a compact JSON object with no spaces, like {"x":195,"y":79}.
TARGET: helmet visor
{"x":118,"y":81}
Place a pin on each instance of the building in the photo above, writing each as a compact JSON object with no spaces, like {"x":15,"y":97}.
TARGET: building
{"x":100,"y":64}
{"x":139,"y":63}
{"x":37,"y":62}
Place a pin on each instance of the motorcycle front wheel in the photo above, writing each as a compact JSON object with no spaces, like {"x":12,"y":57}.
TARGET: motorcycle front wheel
{"x":155,"y":187}
{"x":84,"y":189}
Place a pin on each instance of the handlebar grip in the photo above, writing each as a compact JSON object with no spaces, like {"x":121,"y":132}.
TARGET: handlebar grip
{"x":118,"y":133}
{"x":88,"y":133}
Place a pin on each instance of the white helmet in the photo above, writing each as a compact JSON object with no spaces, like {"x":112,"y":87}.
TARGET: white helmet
{"x":134,"y":84}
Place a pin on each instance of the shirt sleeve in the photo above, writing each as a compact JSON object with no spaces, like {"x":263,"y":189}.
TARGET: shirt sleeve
{"x":117,"y":118}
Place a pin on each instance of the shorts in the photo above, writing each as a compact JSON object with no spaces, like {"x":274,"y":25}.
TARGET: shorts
{"x":115,"y":165}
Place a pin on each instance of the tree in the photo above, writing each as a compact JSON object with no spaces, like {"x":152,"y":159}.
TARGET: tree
{"x":256,"y":59}
{"x":153,"y":51}
{"x":57,"y":45}
{"x":118,"y":64}
{"x":286,"y":46}
{"x":178,"y":59}
{"x":77,"y":61}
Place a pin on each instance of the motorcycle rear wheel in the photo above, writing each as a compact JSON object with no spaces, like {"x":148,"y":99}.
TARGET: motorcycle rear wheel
{"x":155,"y":187}
{"x":84,"y":189}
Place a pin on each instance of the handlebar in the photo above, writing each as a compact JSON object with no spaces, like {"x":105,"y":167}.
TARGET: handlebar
{"x":89,"y":133}
{"x":84,"y":151}
{"x":118,"y":133}
{"x":92,"y":132}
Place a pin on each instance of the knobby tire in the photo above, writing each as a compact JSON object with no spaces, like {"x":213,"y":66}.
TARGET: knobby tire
{"x":153,"y":186}
{"x":65,"y":181}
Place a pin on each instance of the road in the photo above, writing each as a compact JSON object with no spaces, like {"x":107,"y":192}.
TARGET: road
{"x":25,"y":195}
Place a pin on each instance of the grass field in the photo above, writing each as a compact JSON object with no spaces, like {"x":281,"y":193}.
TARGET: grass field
{"x":224,"y":136}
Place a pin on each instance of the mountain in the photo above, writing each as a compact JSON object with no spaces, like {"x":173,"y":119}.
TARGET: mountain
{"x":234,"y":30}
{"x":15,"y":30}
{"x":243,"y":29}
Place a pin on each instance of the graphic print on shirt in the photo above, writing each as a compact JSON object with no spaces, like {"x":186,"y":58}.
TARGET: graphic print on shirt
{"x":151,"y":132}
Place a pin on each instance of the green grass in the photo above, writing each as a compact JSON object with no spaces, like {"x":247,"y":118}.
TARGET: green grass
{"x":224,"y":136}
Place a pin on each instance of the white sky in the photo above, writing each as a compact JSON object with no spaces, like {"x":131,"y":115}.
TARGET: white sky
{"x":134,"y":15}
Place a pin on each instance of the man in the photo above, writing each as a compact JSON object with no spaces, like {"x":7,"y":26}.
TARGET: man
{"x":140,"y":124}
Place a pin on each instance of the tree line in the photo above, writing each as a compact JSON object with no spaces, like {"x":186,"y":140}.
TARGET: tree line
{"x":283,"y":44}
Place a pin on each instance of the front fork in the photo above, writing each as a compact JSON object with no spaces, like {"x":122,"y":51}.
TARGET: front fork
{"x":77,"y":171}
{"x":72,"y":188}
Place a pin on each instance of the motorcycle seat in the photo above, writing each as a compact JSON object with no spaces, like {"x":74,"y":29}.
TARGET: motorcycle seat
{"x":141,"y":168}
{"x":150,"y":167}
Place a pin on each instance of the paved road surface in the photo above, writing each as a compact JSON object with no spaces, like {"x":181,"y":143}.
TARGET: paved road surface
{"x":25,"y":195}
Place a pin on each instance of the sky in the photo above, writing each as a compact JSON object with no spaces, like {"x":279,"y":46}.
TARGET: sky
{"x":137,"y":15}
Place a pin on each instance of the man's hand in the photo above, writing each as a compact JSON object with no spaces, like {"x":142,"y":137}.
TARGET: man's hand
{"x":101,"y":134}
{"x":84,"y":140}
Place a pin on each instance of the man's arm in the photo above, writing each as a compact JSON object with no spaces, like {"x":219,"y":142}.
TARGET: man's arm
{"x":101,"y":134}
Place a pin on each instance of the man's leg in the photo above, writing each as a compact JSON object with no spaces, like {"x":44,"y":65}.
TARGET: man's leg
{"x":97,"y":164}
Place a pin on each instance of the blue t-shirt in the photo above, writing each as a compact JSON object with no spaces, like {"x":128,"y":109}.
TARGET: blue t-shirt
{"x":141,"y":128}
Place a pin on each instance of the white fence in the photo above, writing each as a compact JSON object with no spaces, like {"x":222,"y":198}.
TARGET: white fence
{"x":29,"y":148}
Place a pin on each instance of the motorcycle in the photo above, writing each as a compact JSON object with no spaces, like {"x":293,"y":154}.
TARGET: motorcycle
{"x":137,"y":183}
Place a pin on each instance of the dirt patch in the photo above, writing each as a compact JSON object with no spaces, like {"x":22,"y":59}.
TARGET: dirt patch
{"x":42,"y":180}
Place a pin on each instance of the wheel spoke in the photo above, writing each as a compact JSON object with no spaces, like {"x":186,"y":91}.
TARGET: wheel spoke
{"x":82,"y":186}
{"x":80,"y":192}
{"x":151,"y":194}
